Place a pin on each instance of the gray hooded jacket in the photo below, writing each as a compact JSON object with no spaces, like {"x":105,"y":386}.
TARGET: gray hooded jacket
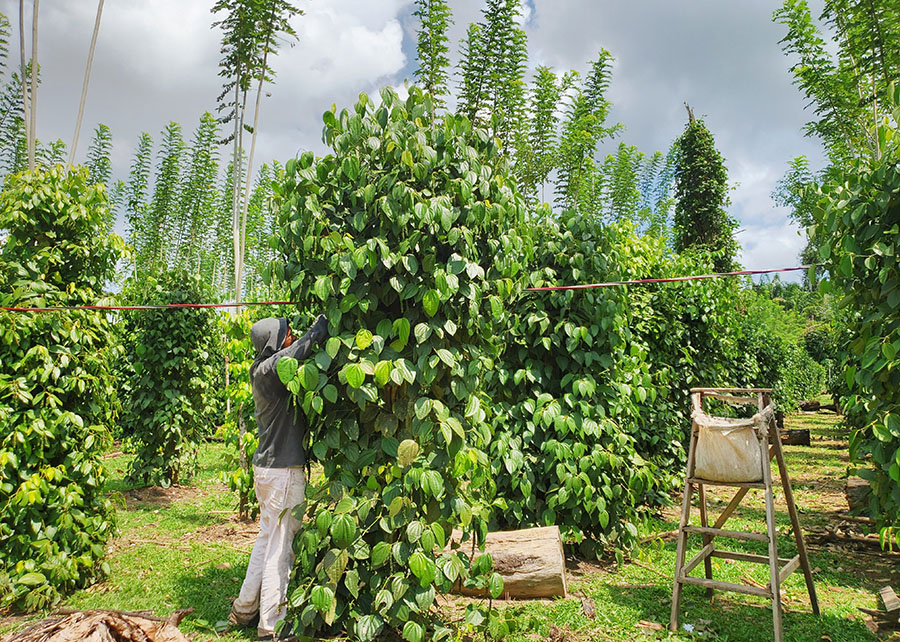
{"x":281,"y":433}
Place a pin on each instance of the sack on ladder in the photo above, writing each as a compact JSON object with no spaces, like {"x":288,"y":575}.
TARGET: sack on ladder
{"x":728,"y":449}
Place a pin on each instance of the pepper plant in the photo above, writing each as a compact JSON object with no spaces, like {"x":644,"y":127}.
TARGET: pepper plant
{"x":239,"y":429}
{"x":856,"y":231}
{"x":407,"y":237}
{"x":569,"y":381}
{"x":173,"y":357}
{"x":56,"y":390}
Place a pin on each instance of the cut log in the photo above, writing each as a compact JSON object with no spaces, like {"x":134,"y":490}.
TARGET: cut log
{"x":530,"y":561}
{"x":857,"y":491}
{"x":809,"y":406}
{"x":891,"y":603}
{"x":795,"y":437}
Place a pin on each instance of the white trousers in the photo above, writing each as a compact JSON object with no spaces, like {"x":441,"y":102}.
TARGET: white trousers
{"x":265,"y":585}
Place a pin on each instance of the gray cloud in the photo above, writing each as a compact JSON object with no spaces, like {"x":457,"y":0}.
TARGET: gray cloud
{"x":158,"y":61}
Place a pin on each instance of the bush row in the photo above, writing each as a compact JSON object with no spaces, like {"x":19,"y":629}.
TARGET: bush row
{"x":856,"y":230}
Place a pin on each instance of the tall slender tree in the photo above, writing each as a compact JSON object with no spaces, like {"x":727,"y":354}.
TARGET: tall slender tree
{"x":848,"y":79}
{"x":98,"y":162}
{"x":197,"y":200}
{"x":135,"y":193}
{"x":435,"y":18}
{"x":276,"y":21}
{"x":492,"y":68}
{"x":5,"y":31}
{"x":12,"y":111}
{"x":537,"y":149}
{"x":24,"y":77}
{"x":251,"y":29}
{"x":159,"y":224}
{"x":844,"y":64}
{"x":472,"y":68}
{"x":32,"y":96}
{"x":584,"y":127}
{"x":701,"y":184}
{"x":99,"y":166}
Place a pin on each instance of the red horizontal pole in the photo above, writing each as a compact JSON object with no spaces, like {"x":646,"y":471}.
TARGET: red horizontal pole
{"x":63,"y":308}
{"x":667,"y":280}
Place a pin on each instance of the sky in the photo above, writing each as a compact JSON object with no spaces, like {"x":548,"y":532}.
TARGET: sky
{"x":157,"y":61}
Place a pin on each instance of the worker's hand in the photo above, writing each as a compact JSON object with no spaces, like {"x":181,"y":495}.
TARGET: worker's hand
{"x":320,"y":327}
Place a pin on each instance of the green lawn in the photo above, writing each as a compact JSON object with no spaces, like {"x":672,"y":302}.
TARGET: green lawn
{"x":182,"y":547}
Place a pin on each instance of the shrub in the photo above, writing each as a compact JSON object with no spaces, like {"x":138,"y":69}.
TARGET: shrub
{"x":239,"y":429}
{"x":56,"y":391}
{"x":856,"y":231}
{"x":687,"y":332}
{"x":567,"y":385}
{"x":173,"y":358}
{"x":406,"y":237}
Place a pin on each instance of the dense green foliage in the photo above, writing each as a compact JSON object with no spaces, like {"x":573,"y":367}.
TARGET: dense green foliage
{"x":787,"y":347}
{"x":577,"y":399}
{"x":56,"y":390}
{"x":856,"y":231}
{"x":179,"y":215}
{"x":406,"y":237}
{"x":566,"y":387}
{"x":174,"y":356}
{"x":847,"y":80}
{"x":593,"y":384}
{"x":701,"y":183}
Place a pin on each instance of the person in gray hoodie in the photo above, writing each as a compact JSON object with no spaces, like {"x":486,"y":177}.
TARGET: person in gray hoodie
{"x":278,"y":473}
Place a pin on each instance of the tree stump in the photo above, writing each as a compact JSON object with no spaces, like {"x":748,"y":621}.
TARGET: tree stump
{"x":857,"y":491}
{"x":530,"y":561}
{"x":795,"y":437}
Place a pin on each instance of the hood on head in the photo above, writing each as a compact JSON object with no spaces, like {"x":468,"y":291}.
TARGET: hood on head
{"x":267,"y":336}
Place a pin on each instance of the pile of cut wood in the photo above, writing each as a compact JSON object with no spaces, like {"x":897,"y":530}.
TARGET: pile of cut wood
{"x":105,"y":626}
{"x":884,"y":622}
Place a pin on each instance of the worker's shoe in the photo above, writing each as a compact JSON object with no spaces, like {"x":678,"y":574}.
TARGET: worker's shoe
{"x":282,"y":637}
{"x":240,"y":619}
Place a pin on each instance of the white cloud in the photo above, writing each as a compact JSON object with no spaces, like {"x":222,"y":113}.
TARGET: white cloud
{"x":770,"y":246}
{"x":751,"y":200}
{"x":158,"y":61}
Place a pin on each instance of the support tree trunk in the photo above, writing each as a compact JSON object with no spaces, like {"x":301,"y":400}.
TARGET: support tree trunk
{"x":84,"y":87}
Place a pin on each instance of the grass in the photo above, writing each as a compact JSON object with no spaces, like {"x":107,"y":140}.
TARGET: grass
{"x":182,"y":547}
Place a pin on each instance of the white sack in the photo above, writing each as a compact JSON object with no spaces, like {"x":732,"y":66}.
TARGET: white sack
{"x":728,"y":449}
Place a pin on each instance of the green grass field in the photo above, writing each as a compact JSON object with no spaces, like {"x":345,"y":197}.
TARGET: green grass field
{"x":182,"y":547}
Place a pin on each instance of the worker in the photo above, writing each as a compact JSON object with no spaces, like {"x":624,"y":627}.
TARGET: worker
{"x":278,"y":475}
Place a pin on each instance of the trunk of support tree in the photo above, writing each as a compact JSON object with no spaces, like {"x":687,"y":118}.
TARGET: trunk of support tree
{"x":25,"y":103}
{"x":235,"y":191}
{"x":262,"y":77}
{"x":84,"y":87}
{"x":32,"y":113}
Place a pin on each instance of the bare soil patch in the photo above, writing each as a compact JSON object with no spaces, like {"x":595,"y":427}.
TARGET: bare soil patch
{"x":232,"y":532}
{"x":157,"y":496}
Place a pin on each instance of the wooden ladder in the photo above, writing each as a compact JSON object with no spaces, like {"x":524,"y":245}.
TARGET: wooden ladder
{"x":779,"y":568}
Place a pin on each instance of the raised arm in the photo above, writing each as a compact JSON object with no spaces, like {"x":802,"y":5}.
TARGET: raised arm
{"x":301,"y":348}
{"x":266,"y":373}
